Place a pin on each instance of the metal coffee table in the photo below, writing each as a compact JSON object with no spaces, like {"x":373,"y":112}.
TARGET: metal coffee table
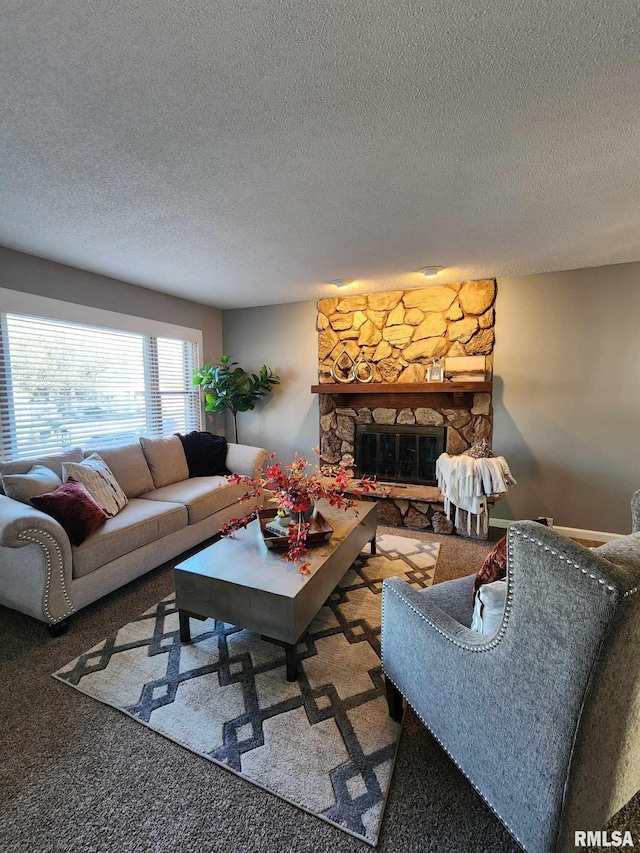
{"x":241,"y":582}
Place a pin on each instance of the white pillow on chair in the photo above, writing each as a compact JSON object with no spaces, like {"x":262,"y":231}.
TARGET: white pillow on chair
{"x":489,"y":607}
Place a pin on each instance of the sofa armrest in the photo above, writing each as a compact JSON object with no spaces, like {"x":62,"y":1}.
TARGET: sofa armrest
{"x":246,"y":460}
{"x":16,"y":518}
{"x":35,"y":562}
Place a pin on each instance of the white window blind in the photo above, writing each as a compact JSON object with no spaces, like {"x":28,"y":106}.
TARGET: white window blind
{"x":65,"y":383}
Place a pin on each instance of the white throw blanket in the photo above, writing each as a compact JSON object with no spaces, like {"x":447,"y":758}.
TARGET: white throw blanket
{"x":466,"y":482}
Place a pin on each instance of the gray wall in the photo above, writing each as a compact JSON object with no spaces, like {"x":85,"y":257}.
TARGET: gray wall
{"x":567,"y":407}
{"x":58,"y":281}
{"x":566,"y":397}
{"x":284,"y":338}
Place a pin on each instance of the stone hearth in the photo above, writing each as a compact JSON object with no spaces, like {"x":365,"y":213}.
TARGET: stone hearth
{"x":419,"y":507}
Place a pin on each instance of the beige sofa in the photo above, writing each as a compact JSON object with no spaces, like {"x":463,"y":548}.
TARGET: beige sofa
{"x":44,"y":576}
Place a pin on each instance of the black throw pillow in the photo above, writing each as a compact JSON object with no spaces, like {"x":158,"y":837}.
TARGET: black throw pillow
{"x":206,"y":453}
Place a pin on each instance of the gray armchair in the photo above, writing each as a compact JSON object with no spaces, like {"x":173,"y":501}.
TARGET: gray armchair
{"x":543,"y":717}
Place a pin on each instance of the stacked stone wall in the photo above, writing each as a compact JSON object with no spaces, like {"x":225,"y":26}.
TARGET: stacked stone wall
{"x":401,"y":331}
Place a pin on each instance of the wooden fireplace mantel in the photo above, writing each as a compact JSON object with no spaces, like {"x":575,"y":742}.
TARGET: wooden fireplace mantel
{"x":398,"y":394}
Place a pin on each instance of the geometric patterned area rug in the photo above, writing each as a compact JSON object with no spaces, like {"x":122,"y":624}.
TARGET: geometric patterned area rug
{"x":325,"y":742}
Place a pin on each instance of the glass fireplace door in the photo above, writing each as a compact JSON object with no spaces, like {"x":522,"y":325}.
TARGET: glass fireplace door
{"x":403,"y":454}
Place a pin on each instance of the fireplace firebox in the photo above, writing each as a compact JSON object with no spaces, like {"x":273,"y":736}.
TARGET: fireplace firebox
{"x":404,"y":454}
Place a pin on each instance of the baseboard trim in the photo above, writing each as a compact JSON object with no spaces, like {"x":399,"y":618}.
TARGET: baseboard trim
{"x":572,"y":532}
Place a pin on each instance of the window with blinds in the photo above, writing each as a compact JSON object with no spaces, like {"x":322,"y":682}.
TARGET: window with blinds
{"x":64,"y":384}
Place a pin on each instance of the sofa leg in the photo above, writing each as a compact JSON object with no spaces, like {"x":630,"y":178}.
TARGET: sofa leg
{"x":394,"y":700}
{"x":59,"y":628}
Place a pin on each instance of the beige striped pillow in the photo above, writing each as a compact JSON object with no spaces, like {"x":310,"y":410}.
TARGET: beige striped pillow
{"x":97,"y":478}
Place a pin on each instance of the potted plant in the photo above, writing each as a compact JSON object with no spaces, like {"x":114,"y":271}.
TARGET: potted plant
{"x":227,"y":386}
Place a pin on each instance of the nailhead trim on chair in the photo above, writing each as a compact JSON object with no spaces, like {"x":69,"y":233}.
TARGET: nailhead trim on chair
{"x":471,"y":782}
{"x":484,"y":648}
{"x":569,"y":562}
{"x":35,"y":535}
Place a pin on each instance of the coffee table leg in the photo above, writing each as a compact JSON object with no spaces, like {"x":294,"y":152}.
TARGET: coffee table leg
{"x":185,"y":630}
{"x":291,"y":652}
{"x":373,"y":547}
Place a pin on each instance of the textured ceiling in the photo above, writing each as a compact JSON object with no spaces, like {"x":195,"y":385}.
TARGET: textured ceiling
{"x":246,"y":153}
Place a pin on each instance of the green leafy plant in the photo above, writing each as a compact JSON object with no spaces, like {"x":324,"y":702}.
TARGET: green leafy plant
{"x":227,"y":386}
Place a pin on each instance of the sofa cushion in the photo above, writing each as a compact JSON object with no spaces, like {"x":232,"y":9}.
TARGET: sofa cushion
{"x":202,"y":497}
{"x":206,"y":453}
{"x":166,"y":460}
{"x":129,"y":467}
{"x":54,"y":462}
{"x":73,"y":507}
{"x":139,"y":523}
{"x":100,"y":482}
{"x":23,"y":487}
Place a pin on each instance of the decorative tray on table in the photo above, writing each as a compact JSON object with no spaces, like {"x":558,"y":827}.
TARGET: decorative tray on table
{"x":319,"y":531}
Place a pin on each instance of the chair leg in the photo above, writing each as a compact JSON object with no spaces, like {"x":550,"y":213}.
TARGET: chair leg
{"x":394,"y":700}
{"x":59,"y":628}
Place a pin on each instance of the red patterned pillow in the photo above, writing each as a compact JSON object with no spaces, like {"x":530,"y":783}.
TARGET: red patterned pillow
{"x":73,"y":507}
{"x":494,"y":567}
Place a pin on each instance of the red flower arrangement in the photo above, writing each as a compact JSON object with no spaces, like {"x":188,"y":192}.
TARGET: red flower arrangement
{"x":295,"y":489}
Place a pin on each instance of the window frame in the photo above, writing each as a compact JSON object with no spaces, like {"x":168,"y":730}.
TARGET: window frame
{"x":47,"y":308}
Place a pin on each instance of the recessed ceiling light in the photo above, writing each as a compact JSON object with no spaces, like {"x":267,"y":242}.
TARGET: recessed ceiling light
{"x":342,"y":282}
{"x":430,"y":272}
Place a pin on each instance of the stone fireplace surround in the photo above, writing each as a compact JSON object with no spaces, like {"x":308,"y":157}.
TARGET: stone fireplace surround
{"x":399,"y":332}
{"x":463,"y":427}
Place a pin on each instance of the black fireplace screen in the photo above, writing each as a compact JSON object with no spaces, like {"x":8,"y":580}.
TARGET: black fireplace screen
{"x":404,"y":454}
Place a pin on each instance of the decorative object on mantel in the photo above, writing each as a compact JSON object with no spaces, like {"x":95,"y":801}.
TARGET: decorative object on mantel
{"x":325,"y":744}
{"x":362,"y":369}
{"x":346,"y":370}
{"x":342,"y":367}
{"x":435,"y":373}
{"x":466,"y":368}
{"x":295,"y":489}
{"x":227,"y":386}
{"x":467,"y":481}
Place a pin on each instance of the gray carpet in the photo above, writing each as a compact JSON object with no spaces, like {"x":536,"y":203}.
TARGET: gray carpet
{"x":79,"y":777}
